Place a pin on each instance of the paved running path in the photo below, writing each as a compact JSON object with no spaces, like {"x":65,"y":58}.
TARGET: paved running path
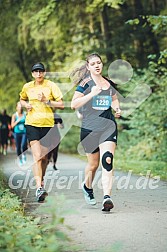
{"x":137,"y":223}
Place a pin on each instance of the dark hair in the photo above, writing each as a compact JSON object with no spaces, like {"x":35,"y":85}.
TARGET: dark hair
{"x":4,"y":112}
{"x":81,"y":72}
{"x":19,"y":103}
{"x":91,"y":56}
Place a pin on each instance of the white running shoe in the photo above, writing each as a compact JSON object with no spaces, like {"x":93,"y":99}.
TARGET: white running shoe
{"x":24,"y":158}
{"x":4,"y":152}
{"x":41,"y":194}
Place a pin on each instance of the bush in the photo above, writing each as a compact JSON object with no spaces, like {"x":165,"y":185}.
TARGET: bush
{"x":25,"y":233}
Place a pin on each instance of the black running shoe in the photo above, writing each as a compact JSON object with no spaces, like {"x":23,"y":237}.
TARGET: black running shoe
{"x":54,"y":167}
{"x":107,"y":205}
{"x":89,"y":196}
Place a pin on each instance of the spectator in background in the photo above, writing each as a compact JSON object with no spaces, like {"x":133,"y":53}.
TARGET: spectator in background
{"x":17,"y":123}
{"x":4,"y":128}
{"x":12,"y":139}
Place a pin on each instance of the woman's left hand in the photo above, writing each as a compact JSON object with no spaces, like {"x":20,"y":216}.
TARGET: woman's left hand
{"x":41,"y":97}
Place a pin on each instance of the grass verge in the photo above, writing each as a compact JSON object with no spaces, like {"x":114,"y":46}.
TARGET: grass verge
{"x":138,"y":167}
{"x":25,"y":233}
{"x":142,"y":167}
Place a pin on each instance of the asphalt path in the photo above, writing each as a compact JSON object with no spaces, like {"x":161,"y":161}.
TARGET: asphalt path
{"x":138,"y":222}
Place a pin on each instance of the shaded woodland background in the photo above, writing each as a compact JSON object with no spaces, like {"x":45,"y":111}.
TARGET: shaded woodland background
{"x":61,"y":33}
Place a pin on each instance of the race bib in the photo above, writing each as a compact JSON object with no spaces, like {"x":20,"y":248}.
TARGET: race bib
{"x":21,"y":127}
{"x":101,"y":102}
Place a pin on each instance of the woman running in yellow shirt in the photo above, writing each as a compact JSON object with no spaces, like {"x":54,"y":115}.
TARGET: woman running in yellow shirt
{"x":39,"y":97}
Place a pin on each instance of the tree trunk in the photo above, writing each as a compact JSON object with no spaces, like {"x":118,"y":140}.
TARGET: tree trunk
{"x":21,"y":65}
{"x":106,"y":33}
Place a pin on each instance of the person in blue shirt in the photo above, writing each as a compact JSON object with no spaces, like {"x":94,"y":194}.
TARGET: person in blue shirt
{"x":17,"y":123}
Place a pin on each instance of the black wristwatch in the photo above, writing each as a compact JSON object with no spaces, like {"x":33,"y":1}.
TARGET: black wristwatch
{"x":48,"y":102}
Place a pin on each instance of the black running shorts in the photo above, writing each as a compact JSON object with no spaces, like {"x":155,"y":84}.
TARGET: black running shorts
{"x":91,"y":140}
{"x":38,"y":133}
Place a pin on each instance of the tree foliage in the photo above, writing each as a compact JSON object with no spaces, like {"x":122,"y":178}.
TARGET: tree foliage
{"x":59,"y":33}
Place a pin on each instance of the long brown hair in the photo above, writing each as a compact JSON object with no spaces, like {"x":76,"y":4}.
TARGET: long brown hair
{"x":82,"y":72}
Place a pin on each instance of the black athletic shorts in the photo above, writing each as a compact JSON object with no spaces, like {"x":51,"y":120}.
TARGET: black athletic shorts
{"x":90,"y":140}
{"x":4,"y":136}
{"x":39,"y":133}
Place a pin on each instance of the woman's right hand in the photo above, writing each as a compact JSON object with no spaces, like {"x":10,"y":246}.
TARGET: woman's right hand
{"x":96,"y":90}
{"x":117,"y":113}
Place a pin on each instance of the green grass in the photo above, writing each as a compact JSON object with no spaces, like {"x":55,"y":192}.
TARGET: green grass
{"x":138,"y":167}
{"x":141,"y":167}
{"x":3,"y":182}
{"x":26,"y":233}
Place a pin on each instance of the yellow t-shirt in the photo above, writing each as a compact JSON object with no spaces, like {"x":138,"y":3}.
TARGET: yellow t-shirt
{"x":41,"y":115}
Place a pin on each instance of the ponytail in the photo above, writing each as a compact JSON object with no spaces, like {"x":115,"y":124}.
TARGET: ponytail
{"x":82,"y":72}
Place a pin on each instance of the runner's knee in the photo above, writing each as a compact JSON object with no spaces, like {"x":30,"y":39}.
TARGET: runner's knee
{"x":107,"y":161}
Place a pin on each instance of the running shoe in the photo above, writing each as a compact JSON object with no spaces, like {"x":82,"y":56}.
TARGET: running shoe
{"x":24,"y":158}
{"x":89,"y":196}
{"x":107,"y":205}
{"x":4,"y":152}
{"x":41,"y":194}
{"x":20,"y":162}
{"x":54,"y":167}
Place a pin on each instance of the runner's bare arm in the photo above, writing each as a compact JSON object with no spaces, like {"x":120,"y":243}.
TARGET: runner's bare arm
{"x":116,"y":106}
{"x":26,"y":104}
{"x":79,"y":99}
{"x":56,"y":104}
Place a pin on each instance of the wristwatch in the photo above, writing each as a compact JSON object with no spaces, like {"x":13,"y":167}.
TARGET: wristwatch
{"x":48,"y":102}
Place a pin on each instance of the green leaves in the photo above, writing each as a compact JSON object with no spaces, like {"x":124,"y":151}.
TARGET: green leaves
{"x":133,"y":21}
{"x":23,"y":233}
{"x":99,"y":4}
{"x":158,"y":23}
{"x":60,"y":33}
